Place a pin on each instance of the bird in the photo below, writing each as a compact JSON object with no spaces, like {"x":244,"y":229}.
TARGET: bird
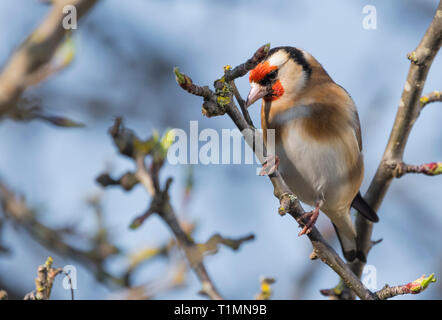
{"x":317,"y":140}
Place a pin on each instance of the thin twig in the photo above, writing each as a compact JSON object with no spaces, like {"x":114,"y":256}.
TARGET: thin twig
{"x":429,"y":169}
{"x":435,"y":96}
{"x":244,"y":68}
{"x":70,"y":284}
{"x":44,"y":281}
{"x":242,"y":103}
{"x":414,"y":287}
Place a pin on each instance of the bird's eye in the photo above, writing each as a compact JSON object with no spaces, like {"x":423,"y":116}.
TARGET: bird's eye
{"x":272,"y":74}
{"x":268,"y":79}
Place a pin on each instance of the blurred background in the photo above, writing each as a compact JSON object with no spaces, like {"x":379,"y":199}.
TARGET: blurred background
{"x":125,"y":52}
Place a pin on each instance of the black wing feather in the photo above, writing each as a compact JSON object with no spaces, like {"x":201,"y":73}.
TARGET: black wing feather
{"x":364,"y":209}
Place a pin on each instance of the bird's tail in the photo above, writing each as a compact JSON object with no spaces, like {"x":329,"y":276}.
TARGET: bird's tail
{"x":364,"y":208}
{"x":349,"y":244}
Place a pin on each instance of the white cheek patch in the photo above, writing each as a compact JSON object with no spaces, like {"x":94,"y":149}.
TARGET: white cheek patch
{"x":293,"y":78}
{"x":278,"y":58}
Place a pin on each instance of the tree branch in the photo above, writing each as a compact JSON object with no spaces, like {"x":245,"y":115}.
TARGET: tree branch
{"x":35,"y":52}
{"x":130,"y":145}
{"x":16,"y":209}
{"x":220,"y":102}
{"x":408,"y":112}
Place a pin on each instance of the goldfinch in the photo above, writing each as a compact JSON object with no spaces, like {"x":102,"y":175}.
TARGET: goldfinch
{"x":318,"y":146}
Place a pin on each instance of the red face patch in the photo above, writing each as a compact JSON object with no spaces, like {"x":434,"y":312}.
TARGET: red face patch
{"x":277,"y":91}
{"x":260,"y":71}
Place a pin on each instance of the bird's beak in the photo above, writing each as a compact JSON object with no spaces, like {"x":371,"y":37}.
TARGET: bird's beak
{"x":257,"y":92}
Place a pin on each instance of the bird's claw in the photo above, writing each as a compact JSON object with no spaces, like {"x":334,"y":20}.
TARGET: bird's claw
{"x":269,"y":166}
{"x":309,"y":220}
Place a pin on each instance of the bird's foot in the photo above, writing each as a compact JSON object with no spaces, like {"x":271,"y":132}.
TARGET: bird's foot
{"x":269,"y":166}
{"x":309,"y":219}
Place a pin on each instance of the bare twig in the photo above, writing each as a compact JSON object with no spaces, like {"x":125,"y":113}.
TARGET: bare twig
{"x":435,"y":96}
{"x":127,"y":181}
{"x":35,"y":113}
{"x":44,"y":281}
{"x":211,"y":246}
{"x":414,"y":287}
{"x":429,"y":169}
{"x":244,"y":68}
{"x":242,"y":103}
